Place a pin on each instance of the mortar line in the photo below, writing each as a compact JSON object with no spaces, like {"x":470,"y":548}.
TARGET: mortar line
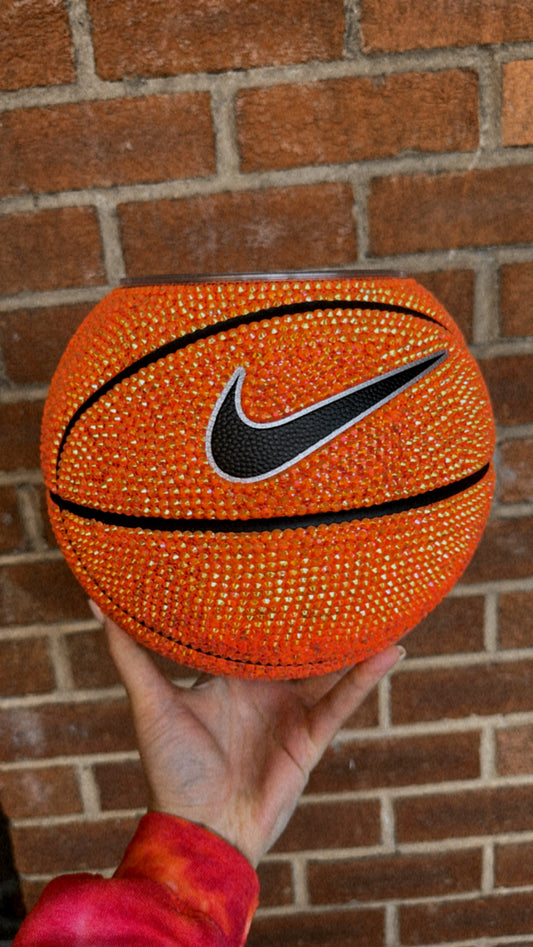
{"x":225,"y":132}
{"x":392,"y":925}
{"x":485,"y":327}
{"x":490,"y":623}
{"x":89,"y":792}
{"x":412,"y":165}
{"x":487,"y":754}
{"x":80,"y":31}
{"x":352,"y":31}
{"x":61,"y":664}
{"x":489,"y":73}
{"x":31,"y":517}
{"x":487,"y":871}
{"x":358,"y":65}
{"x":299,"y":880}
{"x":110,"y":237}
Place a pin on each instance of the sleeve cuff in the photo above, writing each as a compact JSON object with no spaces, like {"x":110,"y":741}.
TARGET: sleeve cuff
{"x":203,"y":873}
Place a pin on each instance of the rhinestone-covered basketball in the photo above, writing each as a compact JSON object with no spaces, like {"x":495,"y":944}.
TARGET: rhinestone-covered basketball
{"x":269,"y":477}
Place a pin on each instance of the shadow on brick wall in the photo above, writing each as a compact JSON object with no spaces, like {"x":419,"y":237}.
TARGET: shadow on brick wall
{"x":11,"y":906}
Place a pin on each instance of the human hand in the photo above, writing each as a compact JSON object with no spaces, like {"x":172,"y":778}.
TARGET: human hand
{"x":235,"y":755}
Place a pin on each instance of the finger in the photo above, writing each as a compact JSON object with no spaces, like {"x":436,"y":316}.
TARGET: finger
{"x":312,"y":689}
{"x":329,"y":714}
{"x":133,"y":662}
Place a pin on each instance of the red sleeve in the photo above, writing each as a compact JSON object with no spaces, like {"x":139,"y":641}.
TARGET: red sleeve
{"x":177,"y":884}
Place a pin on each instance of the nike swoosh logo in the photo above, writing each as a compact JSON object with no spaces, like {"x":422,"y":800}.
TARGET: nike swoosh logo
{"x":246,"y":451}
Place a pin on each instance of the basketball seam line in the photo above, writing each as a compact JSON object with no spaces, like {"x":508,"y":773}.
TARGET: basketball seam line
{"x":236,"y":662}
{"x":269,"y":524}
{"x":213,"y":654}
{"x":205,"y":332}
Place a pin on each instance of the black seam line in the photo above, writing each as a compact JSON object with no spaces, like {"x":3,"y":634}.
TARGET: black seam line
{"x":269,"y":524}
{"x":207,"y":332}
{"x":183,"y":644}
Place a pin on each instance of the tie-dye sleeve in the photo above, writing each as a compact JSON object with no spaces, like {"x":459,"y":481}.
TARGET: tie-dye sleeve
{"x":177,"y":884}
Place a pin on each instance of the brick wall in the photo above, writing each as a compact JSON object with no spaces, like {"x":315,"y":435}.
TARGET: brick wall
{"x":182,"y":136}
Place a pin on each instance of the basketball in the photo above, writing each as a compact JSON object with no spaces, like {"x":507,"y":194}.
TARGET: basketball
{"x":268,"y":476}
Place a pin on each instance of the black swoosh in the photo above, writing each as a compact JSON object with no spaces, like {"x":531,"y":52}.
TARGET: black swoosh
{"x":206,"y":332}
{"x":243,"y":450}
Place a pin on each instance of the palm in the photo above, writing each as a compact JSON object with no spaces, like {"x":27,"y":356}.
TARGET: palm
{"x":235,"y":755}
{"x":237,"y":749}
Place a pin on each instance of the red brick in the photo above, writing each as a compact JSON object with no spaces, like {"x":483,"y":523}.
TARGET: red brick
{"x":51,"y":249}
{"x":441,"y":211}
{"x":33,"y":340}
{"x":74,"y":846}
{"x":40,"y":591}
{"x":20,"y":433}
{"x":353,"y":119}
{"x":35,"y":45}
{"x":513,"y":864}
{"x":139,"y":39}
{"x":12,"y":536}
{"x":454,"y":626}
{"x":101,"y":144}
{"x":388,"y":877}
{"x":516,"y":471}
{"x":503,"y":553}
{"x":65,"y":728}
{"x":34,"y":793}
{"x":435,"y":693}
{"x":399,"y":761}
{"x":275,"y":884}
{"x":452,"y":23}
{"x":510,"y":383}
{"x":514,"y":750}
{"x":25,"y":667}
{"x":92,"y":666}
{"x":516,"y":288}
{"x":517,"y":94}
{"x":455,"y":290}
{"x":332,"y":825}
{"x":31,"y":891}
{"x":367,"y":715}
{"x":474,"y":812}
{"x":472,"y":919}
{"x":121,"y":785}
{"x":48,"y":533}
{"x":515,"y":620}
{"x":281,"y":228}
{"x":90,"y":660}
{"x":364,"y":927}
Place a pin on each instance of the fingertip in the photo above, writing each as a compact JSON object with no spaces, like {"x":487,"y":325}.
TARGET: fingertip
{"x":111,"y":629}
{"x":121,"y":645}
{"x":379,"y":664}
{"x":401,"y":651}
{"x":97,"y":612}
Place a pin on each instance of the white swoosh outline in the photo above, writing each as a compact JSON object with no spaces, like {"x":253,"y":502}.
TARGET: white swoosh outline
{"x":240,"y":374}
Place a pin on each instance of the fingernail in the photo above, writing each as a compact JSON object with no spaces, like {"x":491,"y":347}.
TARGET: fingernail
{"x":402,"y":652}
{"x":202,"y":680}
{"x":97,"y":612}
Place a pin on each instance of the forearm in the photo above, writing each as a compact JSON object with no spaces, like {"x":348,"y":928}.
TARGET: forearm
{"x":177,"y":884}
